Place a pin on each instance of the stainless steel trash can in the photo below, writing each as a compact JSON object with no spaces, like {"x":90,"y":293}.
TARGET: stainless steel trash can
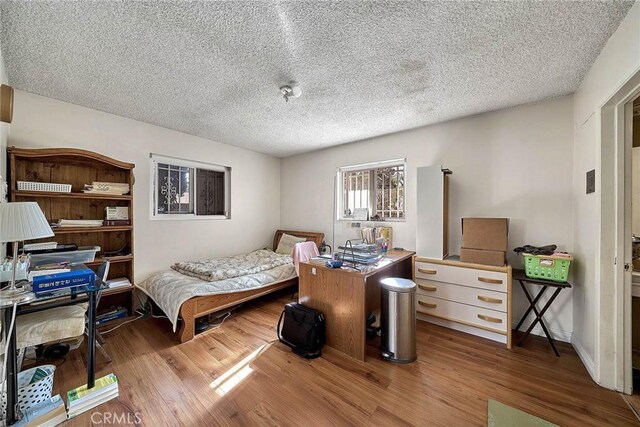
{"x":398,"y":320}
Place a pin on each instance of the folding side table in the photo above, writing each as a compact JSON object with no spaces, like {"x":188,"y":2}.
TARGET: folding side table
{"x":522,"y":278}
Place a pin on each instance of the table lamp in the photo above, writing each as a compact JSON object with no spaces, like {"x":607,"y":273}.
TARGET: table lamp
{"x":19,"y":222}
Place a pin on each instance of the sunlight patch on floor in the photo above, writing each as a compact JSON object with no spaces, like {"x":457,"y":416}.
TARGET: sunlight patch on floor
{"x":238,"y":372}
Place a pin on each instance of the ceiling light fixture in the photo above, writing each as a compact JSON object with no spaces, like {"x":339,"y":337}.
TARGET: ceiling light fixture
{"x":290,"y":91}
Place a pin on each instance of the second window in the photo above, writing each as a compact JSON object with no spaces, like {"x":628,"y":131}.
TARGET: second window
{"x":378,"y":188}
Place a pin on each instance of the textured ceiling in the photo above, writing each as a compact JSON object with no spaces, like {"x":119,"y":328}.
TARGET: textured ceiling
{"x":366,"y":68}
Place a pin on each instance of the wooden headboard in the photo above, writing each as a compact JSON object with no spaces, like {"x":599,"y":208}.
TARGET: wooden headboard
{"x":316,"y":238}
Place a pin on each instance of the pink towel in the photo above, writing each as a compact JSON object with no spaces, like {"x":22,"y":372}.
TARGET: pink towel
{"x":302,"y":252}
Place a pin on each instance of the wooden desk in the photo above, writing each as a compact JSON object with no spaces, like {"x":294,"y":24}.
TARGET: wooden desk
{"x":346,"y":297}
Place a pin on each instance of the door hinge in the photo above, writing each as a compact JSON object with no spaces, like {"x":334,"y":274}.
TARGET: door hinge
{"x":626,"y":267}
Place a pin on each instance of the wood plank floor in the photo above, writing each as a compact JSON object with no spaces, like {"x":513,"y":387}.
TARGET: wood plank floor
{"x":240,"y":375}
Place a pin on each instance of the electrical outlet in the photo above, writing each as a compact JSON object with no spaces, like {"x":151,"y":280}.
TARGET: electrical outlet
{"x":591,"y":181}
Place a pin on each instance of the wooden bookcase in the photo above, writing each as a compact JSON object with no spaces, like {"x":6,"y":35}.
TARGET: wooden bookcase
{"x":79,"y":167}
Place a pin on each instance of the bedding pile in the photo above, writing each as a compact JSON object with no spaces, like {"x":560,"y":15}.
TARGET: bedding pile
{"x":215,"y":269}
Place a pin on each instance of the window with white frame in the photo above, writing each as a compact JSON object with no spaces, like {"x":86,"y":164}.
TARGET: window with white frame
{"x":377,"y":187}
{"x":184,"y":189}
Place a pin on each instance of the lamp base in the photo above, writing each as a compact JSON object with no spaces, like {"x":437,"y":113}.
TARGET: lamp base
{"x":16,"y":295}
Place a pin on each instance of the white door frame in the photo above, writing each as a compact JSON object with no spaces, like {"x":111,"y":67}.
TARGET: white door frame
{"x":616,"y":142}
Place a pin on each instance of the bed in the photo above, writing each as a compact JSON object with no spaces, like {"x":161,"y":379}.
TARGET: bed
{"x":189,"y":297}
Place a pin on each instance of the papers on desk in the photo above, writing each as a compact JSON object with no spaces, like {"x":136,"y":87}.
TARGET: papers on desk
{"x":361,"y":247}
{"x":359,"y":258}
{"x":360,"y":253}
{"x":322,"y":259}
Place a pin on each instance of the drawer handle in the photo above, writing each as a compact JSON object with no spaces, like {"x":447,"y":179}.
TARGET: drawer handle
{"x":428,"y":288}
{"x":427,"y":271}
{"x":489,"y":318}
{"x":427,"y":304}
{"x":492,"y":281}
{"x":489,"y":299}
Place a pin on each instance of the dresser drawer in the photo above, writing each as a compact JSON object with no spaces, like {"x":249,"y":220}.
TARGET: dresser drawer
{"x":464,"y":294}
{"x":490,"y":320}
{"x":491,"y":280}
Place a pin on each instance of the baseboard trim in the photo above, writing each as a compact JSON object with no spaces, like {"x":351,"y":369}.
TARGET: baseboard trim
{"x":586,"y":359}
{"x":556,"y":334}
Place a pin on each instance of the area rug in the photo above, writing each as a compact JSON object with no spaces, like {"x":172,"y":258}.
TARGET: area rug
{"x":501,"y":415}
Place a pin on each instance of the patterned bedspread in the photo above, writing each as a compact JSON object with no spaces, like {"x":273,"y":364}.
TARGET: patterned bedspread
{"x":233,"y":266}
{"x":170,"y":289}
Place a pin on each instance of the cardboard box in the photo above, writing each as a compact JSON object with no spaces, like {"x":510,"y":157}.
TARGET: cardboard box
{"x":481,"y":256}
{"x":491,"y":234}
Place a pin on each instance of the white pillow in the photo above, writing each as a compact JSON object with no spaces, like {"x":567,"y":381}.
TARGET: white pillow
{"x":287,"y":242}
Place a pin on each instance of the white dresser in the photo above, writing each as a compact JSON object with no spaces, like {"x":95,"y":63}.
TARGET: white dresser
{"x":471,"y":298}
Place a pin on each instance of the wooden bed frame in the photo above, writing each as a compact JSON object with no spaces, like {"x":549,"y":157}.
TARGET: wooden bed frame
{"x":200,"y":306}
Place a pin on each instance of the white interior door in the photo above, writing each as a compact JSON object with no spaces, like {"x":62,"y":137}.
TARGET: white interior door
{"x":626,"y":226}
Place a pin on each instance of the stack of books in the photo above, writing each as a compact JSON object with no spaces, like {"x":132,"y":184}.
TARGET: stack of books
{"x":74,"y":276}
{"x":116,"y":212}
{"x":81,"y":399}
{"x":39,"y":246}
{"x":118,"y":188}
{"x":116,"y":222}
{"x":119,"y":282}
{"x":113,"y":314}
{"x":49,"y":413}
{"x":116,"y":216}
{"x":79,"y":223}
{"x":47,"y":271}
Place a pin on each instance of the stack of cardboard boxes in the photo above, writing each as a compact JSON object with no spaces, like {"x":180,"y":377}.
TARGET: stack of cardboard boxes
{"x":485,"y":240}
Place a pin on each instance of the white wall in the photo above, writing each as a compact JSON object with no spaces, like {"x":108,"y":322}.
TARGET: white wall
{"x":512,"y":163}
{"x":41,"y":122}
{"x":594,"y":305}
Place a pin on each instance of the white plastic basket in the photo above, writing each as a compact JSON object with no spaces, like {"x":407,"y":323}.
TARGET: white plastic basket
{"x":30,"y":394}
{"x":44,"y":186}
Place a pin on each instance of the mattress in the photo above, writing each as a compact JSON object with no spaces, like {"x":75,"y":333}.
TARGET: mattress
{"x":170,"y":289}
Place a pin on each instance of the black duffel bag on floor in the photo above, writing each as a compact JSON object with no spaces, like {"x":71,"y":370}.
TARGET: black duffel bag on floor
{"x":302,"y":329}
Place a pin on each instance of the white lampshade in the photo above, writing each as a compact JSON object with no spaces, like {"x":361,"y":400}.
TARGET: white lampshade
{"x":22,"y":221}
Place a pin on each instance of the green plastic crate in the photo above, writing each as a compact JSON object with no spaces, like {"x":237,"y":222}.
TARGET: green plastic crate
{"x":547,"y":267}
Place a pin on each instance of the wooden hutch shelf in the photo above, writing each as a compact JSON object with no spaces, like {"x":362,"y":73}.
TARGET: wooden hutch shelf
{"x":97,"y":196}
{"x":78,"y":168}
{"x":112,"y":259}
{"x":103,"y":229}
{"x":117,"y":291}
